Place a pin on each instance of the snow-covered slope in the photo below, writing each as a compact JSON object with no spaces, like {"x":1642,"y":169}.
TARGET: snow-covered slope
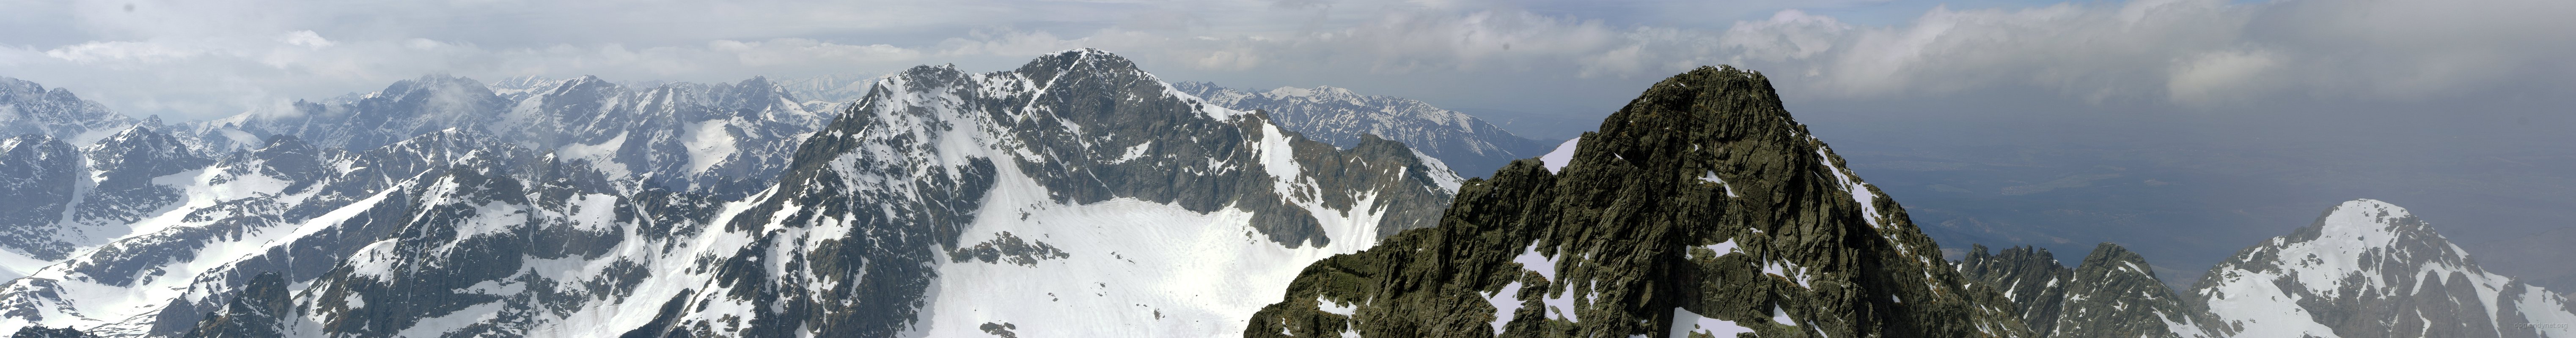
{"x":42,"y":174}
{"x":2370,"y":269}
{"x":1074,"y":196}
{"x":124,"y":177}
{"x":1340,"y":117}
{"x":286,"y":208}
{"x":65,"y":201}
{"x":1077,"y":196}
{"x":74,"y":173}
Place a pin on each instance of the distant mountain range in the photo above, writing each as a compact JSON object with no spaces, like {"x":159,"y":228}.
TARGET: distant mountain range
{"x":2364,"y":269}
{"x":443,"y":206}
{"x":1079,"y":195}
{"x":1341,"y":117}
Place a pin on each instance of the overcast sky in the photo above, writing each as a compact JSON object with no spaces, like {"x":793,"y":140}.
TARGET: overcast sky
{"x":200,"y":59}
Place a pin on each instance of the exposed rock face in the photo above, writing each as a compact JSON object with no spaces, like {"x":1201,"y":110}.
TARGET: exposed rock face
{"x":2370,"y":269}
{"x":62,"y":201}
{"x":1700,"y":209}
{"x":2112,"y":293}
{"x":50,"y":332}
{"x":254,"y":313}
{"x":1341,"y":117}
{"x":124,"y":167}
{"x":57,"y":203}
{"x":39,"y":174}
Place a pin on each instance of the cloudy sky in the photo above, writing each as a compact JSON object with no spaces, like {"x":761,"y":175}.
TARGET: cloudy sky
{"x":198,"y":59}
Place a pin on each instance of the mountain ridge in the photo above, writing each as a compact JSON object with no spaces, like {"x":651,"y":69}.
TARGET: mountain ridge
{"x":1701,"y":208}
{"x":1341,"y":117}
{"x":1020,"y":177}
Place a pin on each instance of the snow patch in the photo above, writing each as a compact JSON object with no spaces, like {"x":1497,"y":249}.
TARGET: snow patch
{"x":1505,"y":301}
{"x":1440,"y":172}
{"x":1782,"y":316}
{"x":1329,"y":306}
{"x":602,"y":156}
{"x":1686,"y":322}
{"x":1555,"y":160}
{"x":1711,"y":177}
{"x":708,"y":143}
{"x":1134,"y":152}
{"x":1724,"y":248}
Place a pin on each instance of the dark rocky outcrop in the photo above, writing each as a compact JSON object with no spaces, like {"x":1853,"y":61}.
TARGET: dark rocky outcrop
{"x":40,"y":331}
{"x":1700,"y":208}
{"x":39,"y":174}
{"x":254,"y":313}
{"x":2112,"y":293}
{"x":126,"y":165}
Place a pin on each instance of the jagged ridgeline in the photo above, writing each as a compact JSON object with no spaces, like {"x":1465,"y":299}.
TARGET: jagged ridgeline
{"x":2112,"y":293}
{"x":1700,"y":209}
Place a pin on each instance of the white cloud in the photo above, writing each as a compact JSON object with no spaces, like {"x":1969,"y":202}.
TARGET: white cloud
{"x":208,"y":59}
{"x":2182,"y":51}
{"x":2220,"y":76}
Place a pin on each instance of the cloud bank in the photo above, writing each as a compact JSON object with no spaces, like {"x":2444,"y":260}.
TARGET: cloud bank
{"x":204,"y":59}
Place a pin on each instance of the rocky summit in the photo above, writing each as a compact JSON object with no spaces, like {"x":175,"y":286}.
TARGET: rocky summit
{"x":1700,"y":209}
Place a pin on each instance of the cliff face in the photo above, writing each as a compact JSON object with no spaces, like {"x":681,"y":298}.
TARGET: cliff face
{"x":1699,"y":209}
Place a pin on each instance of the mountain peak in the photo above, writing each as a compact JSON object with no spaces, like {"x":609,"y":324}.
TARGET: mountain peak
{"x":2369,"y":254}
{"x":2366,"y":222}
{"x":33,"y":109}
{"x":1045,"y":68}
{"x":1699,"y":208}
